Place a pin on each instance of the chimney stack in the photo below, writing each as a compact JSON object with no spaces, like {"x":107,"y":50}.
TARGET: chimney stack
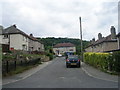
{"x":15,"y":25}
{"x":31,"y":35}
{"x":93,"y":40}
{"x":1,"y":29}
{"x":99,"y":36}
{"x":113,"y":32}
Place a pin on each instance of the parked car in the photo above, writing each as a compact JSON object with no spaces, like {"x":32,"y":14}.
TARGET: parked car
{"x":59,"y":55}
{"x":73,"y":61}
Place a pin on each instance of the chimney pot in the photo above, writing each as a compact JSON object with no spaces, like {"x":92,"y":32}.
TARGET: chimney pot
{"x":15,"y":25}
{"x":113,"y":32}
{"x":31,"y":35}
{"x":99,"y":36}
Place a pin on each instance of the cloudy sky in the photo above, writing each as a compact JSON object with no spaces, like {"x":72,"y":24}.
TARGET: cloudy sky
{"x":60,"y":18}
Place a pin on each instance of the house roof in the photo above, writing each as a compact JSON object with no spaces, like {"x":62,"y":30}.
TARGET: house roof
{"x":64,"y":45}
{"x":118,"y":35}
{"x":14,"y":30}
{"x":104,"y":39}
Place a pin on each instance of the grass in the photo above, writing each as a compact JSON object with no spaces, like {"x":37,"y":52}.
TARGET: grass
{"x":19,"y":69}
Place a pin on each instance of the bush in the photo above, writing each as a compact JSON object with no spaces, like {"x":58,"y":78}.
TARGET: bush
{"x":103,"y":61}
{"x":8,"y":57}
{"x":116,"y":61}
{"x":50,"y":55}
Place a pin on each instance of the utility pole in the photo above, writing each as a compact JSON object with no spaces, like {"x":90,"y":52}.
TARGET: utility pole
{"x":81,"y":39}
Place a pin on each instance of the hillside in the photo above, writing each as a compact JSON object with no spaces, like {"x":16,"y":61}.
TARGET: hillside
{"x":51,"y":41}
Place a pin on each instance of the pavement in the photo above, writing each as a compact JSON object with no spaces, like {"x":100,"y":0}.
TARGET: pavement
{"x":92,"y":72}
{"x":25,"y":74}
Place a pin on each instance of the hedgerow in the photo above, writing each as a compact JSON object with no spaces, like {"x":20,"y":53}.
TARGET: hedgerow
{"x":104,"y":61}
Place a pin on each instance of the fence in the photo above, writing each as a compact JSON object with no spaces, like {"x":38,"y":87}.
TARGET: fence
{"x":8,"y":66}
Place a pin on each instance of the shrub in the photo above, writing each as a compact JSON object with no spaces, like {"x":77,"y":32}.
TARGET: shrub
{"x":103,"y":61}
{"x":50,"y":55}
{"x":8,"y":57}
{"x":116,"y":61}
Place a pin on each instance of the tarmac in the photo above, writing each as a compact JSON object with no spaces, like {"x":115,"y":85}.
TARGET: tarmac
{"x":91,"y":71}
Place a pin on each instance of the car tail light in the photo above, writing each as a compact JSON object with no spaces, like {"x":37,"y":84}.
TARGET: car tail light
{"x":78,"y":60}
{"x":67,"y":60}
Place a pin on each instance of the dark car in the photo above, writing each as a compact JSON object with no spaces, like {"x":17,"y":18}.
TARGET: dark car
{"x":73,"y":61}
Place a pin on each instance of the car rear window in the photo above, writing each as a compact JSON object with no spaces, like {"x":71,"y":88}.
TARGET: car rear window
{"x":73,"y":58}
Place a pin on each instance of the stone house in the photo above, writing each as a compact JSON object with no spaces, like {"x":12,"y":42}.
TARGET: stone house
{"x":34,"y":44}
{"x":104,"y":44}
{"x":118,"y":37}
{"x":62,"y":48}
{"x":18,"y":40}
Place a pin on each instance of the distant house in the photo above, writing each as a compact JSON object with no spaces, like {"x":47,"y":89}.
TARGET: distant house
{"x":104,"y":44}
{"x":62,"y":48}
{"x":18,"y":40}
{"x":35,"y":44}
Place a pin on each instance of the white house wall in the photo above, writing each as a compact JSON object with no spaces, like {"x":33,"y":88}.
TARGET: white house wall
{"x":35,"y":45}
{"x":1,"y":39}
{"x":4,"y":40}
{"x":31,"y":45}
{"x":64,"y":49}
{"x":42,"y":47}
{"x":17,"y":41}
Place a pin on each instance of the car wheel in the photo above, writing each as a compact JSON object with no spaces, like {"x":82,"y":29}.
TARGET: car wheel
{"x":78,"y":65}
{"x":67,"y":66}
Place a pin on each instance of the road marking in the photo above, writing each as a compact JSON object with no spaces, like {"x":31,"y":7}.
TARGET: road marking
{"x":96,"y":77}
{"x":44,"y":65}
{"x":62,"y":77}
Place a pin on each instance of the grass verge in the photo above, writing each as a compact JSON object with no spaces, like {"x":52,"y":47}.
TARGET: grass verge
{"x":20,"y":69}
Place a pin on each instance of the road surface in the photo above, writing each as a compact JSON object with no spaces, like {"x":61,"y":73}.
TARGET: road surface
{"x":56,"y":75}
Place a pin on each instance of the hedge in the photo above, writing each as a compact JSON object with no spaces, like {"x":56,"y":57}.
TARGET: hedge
{"x":103,"y":61}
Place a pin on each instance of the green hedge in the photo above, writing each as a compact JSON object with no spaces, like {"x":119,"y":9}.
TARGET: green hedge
{"x":50,"y":55}
{"x":116,"y":61}
{"x":103,"y":61}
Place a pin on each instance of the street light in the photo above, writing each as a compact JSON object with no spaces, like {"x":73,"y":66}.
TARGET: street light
{"x":81,"y":39}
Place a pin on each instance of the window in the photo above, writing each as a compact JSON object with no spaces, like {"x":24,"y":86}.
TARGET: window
{"x":38,"y":49}
{"x":5,"y":36}
{"x":71,"y":49}
{"x":24,"y":47}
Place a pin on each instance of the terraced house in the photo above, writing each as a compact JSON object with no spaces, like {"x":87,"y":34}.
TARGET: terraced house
{"x":18,"y":40}
{"x":104,"y":44}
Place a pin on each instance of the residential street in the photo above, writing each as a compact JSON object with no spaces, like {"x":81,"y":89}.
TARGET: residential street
{"x":56,"y":75}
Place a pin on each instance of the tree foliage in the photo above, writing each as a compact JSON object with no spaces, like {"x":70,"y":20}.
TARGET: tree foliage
{"x":49,"y":42}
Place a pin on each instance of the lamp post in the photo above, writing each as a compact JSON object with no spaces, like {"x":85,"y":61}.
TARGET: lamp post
{"x":81,"y":39}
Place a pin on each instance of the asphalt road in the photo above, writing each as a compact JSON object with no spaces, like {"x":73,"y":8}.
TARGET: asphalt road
{"x":56,"y":75}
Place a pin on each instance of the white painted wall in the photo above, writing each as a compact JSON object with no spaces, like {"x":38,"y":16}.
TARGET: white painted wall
{"x":17,"y":41}
{"x":118,"y":16}
{"x":0,"y":39}
{"x":42,"y":47}
{"x":62,"y":50}
{"x":3,"y":40}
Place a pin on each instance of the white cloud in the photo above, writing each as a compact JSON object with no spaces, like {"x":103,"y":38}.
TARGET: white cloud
{"x":60,"y":18}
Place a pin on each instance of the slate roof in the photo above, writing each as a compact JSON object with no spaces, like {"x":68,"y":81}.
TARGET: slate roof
{"x":104,"y":39}
{"x":64,"y":45}
{"x":118,"y":35}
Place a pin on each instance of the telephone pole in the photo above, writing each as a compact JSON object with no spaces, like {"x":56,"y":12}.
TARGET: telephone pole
{"x":81,"y":39}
